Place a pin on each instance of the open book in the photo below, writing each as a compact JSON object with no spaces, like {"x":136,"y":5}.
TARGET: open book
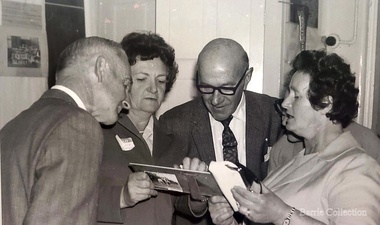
{"x":223,"y":176}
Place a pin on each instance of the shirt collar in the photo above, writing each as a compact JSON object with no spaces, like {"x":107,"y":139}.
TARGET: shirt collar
{"x":240,"y":110}
{"x":340,"y":145}
{"x":72,"y":94}
{"x":148,"y":131}
{"x":238,"y":114}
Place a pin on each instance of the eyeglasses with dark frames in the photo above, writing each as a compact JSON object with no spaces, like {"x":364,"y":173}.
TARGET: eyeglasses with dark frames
{"x":281,"y":110}
{"x":209,"y":89}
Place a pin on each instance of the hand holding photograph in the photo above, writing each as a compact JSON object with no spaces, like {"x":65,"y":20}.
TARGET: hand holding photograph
{"x":223,"y":176}
{"x":198,"y":184}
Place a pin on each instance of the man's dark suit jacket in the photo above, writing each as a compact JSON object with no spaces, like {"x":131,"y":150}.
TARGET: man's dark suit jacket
{"x":263,"y":127}
{"x":115,"y":171}
{"x":50,"y":157}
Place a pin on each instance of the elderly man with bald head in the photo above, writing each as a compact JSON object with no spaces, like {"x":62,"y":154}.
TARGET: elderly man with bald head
{"x":51,"y":152}
{"x":223,"y":74}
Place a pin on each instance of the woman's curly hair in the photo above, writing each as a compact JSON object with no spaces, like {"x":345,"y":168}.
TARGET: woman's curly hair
{"x":147,"y":46}
{"x":329,"y":76}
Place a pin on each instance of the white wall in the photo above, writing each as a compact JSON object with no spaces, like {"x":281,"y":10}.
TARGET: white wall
{"x":354,"y":23}
{"x":189,"y":25}
{"x":20,"y":87}
{"x":17,"y":94}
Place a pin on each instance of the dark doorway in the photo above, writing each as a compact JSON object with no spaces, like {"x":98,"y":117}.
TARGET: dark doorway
{"x":64,"y":25}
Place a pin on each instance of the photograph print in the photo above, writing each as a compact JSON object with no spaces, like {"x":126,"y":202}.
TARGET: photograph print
{"x":23,"y":52}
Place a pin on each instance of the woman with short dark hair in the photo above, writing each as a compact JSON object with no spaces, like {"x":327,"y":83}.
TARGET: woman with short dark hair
{"x":128,"y":197}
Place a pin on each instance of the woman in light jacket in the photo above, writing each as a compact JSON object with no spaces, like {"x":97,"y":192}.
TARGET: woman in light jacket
{"x":333,"y":180}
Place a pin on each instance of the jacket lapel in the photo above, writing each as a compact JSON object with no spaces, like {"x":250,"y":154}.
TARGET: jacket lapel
{"x":202,"y":135}
{"x":305,"y":165}
{"x":254,"y":123}
{"x":298,"y":168}
{"x":136,"y":136}
{"x":161,"y":140}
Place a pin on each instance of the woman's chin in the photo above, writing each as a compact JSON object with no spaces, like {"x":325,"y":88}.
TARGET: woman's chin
{"x":149,"y":110}
{"x":291,"y":128}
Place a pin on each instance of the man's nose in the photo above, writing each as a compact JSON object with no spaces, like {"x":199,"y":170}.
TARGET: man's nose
{"x":217,"y":97}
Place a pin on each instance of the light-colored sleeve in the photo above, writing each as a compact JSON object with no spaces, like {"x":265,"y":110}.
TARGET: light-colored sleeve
{"x":372,"y":146}
{"x":274,"y":154}
{"x":366,"y":138}
{"x":354,"y":195}
{"x":65,"y":187}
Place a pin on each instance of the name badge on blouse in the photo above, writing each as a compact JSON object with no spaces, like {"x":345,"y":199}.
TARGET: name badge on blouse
{"x":126,"y":144}
{"x":266,"y":156}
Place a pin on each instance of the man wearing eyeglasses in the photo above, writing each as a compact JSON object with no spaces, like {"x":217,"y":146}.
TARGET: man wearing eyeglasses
{"x":223,"y":74}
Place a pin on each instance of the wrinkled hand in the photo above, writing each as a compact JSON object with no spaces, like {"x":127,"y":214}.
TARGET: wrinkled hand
{"x":261,"y":208}
{"x":138,"y":188}
{"x":192,"y":164}
{"x":221,"y":211}
{"x":196,"y":206}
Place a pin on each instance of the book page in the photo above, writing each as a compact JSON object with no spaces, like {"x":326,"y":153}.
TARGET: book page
{"x":227,"y":178}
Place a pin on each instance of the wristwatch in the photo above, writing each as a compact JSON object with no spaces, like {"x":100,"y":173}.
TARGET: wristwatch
{"x":287,"y":219}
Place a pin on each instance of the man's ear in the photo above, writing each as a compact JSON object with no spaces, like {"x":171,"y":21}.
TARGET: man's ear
{"x":328,"y":100}
{"x":100,"y":68}
{"x":248,"y":77}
